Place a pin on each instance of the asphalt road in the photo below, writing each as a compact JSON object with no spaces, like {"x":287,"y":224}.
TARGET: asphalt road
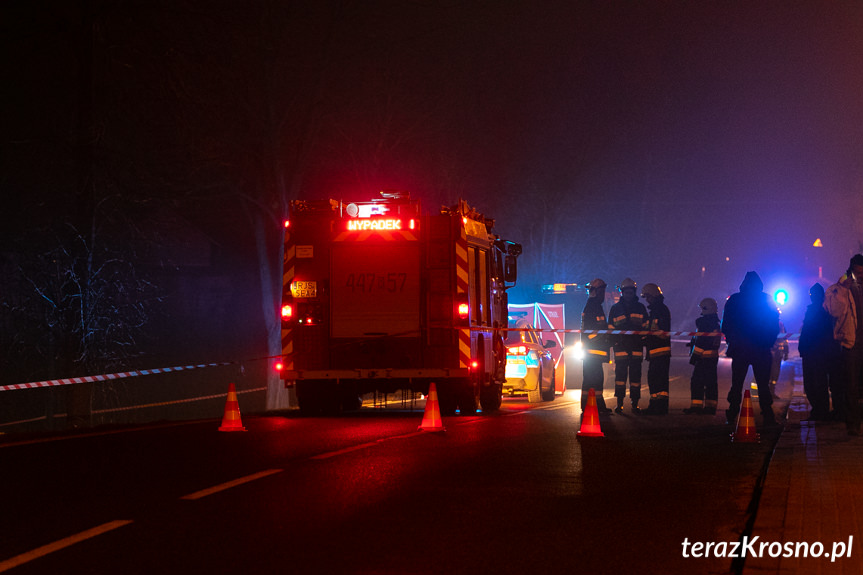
{"x":513,"y":492}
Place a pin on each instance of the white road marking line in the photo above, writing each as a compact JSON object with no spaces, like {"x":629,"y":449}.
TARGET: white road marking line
{"x":403,"y":435}
{"x":559,"y":406}
{"x":329,"y":454}
{"x":345,"y":450}
{"x":470,"y":421}
{"x":229,"y":484}
{"x":61,"y":544}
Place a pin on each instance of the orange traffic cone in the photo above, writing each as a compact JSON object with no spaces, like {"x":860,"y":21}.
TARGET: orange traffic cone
{"x":231,"y":419}
{"x":431,"y":416}
{"x":746,"y":423}
{"x":590,"y":418}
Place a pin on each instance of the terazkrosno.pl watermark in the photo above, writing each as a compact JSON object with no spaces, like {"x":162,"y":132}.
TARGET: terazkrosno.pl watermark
{"x":752,"y":547}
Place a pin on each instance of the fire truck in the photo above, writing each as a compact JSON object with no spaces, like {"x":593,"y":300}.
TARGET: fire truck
{"x":379,"y":297}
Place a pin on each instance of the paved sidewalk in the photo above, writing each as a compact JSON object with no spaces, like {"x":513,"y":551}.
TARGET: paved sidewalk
{"x":813,"y":493}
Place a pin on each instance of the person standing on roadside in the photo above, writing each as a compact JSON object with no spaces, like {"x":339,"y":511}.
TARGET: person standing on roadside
{"x":658,"y":349}
{"x":750,"y":323}
{"x":820,"y":355}
{"x":844,"y":301}
{"x":628,"y":314}
{"x":595,"y":345}
{"x":704,"y":356}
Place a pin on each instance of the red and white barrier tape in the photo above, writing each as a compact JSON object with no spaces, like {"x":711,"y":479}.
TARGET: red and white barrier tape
{"x":107,"y":376}
{"x":788,"y":336}
{"x":110,"y":376}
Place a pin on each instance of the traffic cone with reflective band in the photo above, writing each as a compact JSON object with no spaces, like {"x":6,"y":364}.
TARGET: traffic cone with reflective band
{"x":431,"y":415}
{"x":590,"y":418}
{"x":231,"y":420}
{"x":746,"y":423}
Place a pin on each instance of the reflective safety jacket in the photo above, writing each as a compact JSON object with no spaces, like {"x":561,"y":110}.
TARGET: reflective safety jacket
{"x":628,"y":315}
{"x":659,"y":320}
{"x":840,"y":303}
{"x":593,"y":318}
{"x":706,"y":346}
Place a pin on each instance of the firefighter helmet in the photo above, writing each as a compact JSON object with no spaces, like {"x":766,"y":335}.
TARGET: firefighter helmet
{"x":595,"y":284}
{"x":650,"y":290}
{"x":627,"y":283}
{"x":708,"y":306}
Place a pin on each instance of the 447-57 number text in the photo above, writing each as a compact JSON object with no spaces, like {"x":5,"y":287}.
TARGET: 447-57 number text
{"x":372,"y":282}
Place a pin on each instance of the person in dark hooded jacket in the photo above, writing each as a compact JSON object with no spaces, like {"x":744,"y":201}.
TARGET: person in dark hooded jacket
{"x":750,"y":323}
{"x":821,"y":356}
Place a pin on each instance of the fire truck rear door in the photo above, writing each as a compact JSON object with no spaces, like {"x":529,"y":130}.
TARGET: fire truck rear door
{"x":375,"y":289}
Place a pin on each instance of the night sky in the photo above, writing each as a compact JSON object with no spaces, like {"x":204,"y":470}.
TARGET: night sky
{"x":612,"y":139}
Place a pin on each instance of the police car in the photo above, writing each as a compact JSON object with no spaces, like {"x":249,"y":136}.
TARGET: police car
{"x":529,"y":364}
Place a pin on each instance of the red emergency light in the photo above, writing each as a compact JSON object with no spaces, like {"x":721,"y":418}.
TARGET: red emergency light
{"x":463,"y":310}
{"x":279,"y":366}
{"x":287,"y":311}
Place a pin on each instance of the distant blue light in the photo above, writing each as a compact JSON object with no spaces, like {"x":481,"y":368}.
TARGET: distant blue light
{"x":780,"y":297}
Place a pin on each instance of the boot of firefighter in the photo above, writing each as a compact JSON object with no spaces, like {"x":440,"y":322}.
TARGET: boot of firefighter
{"x":600,"y":405}
{"x":657,"y":406}
{"x":696,"y":407}
{"x":731,"y":413}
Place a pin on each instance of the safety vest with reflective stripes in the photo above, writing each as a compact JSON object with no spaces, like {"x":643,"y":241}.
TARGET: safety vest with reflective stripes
{"x":659,"y":320}
{"x":628,"y":315}
{"x":706,"y":346}
{"x":593,"y":318}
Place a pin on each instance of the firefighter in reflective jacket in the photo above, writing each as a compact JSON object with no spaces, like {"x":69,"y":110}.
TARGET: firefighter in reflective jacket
{"x":658,"y":349}
{"x":704,"y":356}
{"x":595,"y":345}
{"x":628,"y":314}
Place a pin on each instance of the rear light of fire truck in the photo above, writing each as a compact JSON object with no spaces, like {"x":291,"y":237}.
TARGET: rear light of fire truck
{"x":287,"y":312}
{"x":463,"y":311}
